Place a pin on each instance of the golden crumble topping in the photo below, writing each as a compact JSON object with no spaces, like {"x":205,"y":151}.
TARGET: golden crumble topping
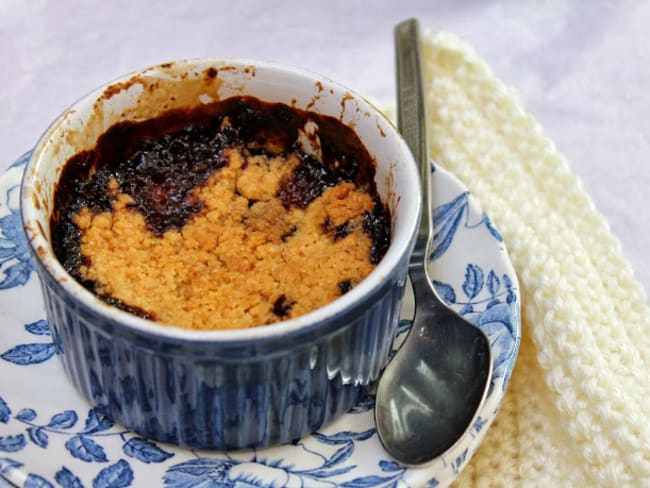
{"x":243,"y":260}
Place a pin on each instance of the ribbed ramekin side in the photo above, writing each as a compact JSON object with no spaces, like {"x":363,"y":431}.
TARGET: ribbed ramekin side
{"x":166,"y":394}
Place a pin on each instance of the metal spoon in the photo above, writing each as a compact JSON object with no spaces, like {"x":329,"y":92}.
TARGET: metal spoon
{"x":431,"y":391}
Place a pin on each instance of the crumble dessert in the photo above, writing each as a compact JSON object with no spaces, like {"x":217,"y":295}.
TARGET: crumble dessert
{"x":235,"y":214}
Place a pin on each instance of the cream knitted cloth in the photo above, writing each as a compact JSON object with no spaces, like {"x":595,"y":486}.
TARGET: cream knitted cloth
{"x":577,"y":411}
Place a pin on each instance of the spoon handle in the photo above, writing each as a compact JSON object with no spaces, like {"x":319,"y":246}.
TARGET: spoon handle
{"x":411,"y":122}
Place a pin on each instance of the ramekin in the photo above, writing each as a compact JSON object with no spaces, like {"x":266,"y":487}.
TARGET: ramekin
{"x":224,"y":389}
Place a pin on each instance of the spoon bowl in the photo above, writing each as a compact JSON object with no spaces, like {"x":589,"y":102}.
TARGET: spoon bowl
{"x":430,"y":393}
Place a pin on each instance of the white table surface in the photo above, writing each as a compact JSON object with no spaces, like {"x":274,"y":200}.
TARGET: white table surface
{"x":583,"y":68}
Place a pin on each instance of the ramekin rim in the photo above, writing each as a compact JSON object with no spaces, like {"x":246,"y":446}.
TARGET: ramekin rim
{"x":304,"y":323}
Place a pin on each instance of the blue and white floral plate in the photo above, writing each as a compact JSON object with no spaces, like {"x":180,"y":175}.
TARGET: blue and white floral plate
{"x":50,"y":436}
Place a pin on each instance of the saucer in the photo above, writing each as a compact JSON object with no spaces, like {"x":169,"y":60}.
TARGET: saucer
{"x":51,"y":436}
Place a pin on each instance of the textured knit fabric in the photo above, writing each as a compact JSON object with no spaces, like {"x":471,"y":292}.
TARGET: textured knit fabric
{"x":577,"y":411}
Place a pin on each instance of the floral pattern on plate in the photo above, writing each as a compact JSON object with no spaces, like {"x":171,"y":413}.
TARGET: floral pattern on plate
{"x":50,"y":436}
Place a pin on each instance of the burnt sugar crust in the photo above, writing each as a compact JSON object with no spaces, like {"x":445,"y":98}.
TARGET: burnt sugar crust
{"x":219,"y":217}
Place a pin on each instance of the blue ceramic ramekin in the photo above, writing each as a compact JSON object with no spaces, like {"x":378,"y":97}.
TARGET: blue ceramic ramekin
{"x":226,"y":389}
